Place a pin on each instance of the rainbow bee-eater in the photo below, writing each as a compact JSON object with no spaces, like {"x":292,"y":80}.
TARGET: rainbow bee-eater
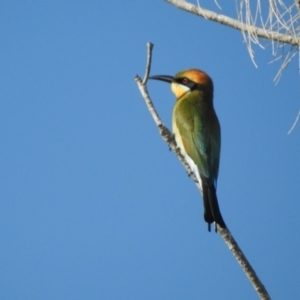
{"x":197,"y":133}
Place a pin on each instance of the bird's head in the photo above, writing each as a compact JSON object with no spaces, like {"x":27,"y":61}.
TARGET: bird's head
{"x":188,"y":81}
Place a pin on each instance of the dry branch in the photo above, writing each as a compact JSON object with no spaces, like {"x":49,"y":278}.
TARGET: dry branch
{"x":169,"y":139}
{"x":222,"y":19}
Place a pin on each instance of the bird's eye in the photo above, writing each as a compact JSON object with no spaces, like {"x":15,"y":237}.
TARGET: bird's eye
{"x":185,"y":80}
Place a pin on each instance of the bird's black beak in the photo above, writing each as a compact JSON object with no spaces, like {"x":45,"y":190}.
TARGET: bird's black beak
{"x":165,"y":78}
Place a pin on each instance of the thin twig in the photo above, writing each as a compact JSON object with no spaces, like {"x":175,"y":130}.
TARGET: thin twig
{"x":296,"y":121}
{"x":163,"y":130}
{"x":225,"y":233}
{"x":148,"y":65}
{"x":298,"y":5}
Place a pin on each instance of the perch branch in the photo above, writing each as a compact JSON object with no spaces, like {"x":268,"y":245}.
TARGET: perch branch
{"x":169,"y":139}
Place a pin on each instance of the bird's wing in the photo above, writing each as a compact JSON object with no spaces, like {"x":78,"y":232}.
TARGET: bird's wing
{"x":199,"y":133}
{"x":198,"y":140}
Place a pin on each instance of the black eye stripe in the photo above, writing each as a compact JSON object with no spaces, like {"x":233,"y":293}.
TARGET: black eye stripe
{"x":183,"y":80}
{"x":187,"y":82}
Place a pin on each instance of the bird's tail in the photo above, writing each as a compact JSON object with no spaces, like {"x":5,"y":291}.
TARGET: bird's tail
{"x":211,"y":207}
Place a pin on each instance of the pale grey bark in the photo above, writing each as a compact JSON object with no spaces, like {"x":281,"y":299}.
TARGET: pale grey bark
{"x":236,"y":24}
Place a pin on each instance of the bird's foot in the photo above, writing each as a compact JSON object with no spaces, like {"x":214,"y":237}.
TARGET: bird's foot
{"x":172,"y":139}
{"x":190,"y":173}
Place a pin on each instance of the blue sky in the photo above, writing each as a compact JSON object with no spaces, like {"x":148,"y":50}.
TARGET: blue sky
{"x":93,"y":204}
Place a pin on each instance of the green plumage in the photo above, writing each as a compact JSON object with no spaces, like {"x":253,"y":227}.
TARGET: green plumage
{"x":197,"y":132}
{"x":199,"y":128}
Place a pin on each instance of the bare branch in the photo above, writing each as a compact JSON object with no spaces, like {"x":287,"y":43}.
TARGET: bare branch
{"x":225,"y":233}
{"x":244,"y":263}
{"x":259,"y":32}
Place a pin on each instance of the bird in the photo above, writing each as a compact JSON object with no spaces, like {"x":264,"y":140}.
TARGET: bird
{"x":197,"y":132}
